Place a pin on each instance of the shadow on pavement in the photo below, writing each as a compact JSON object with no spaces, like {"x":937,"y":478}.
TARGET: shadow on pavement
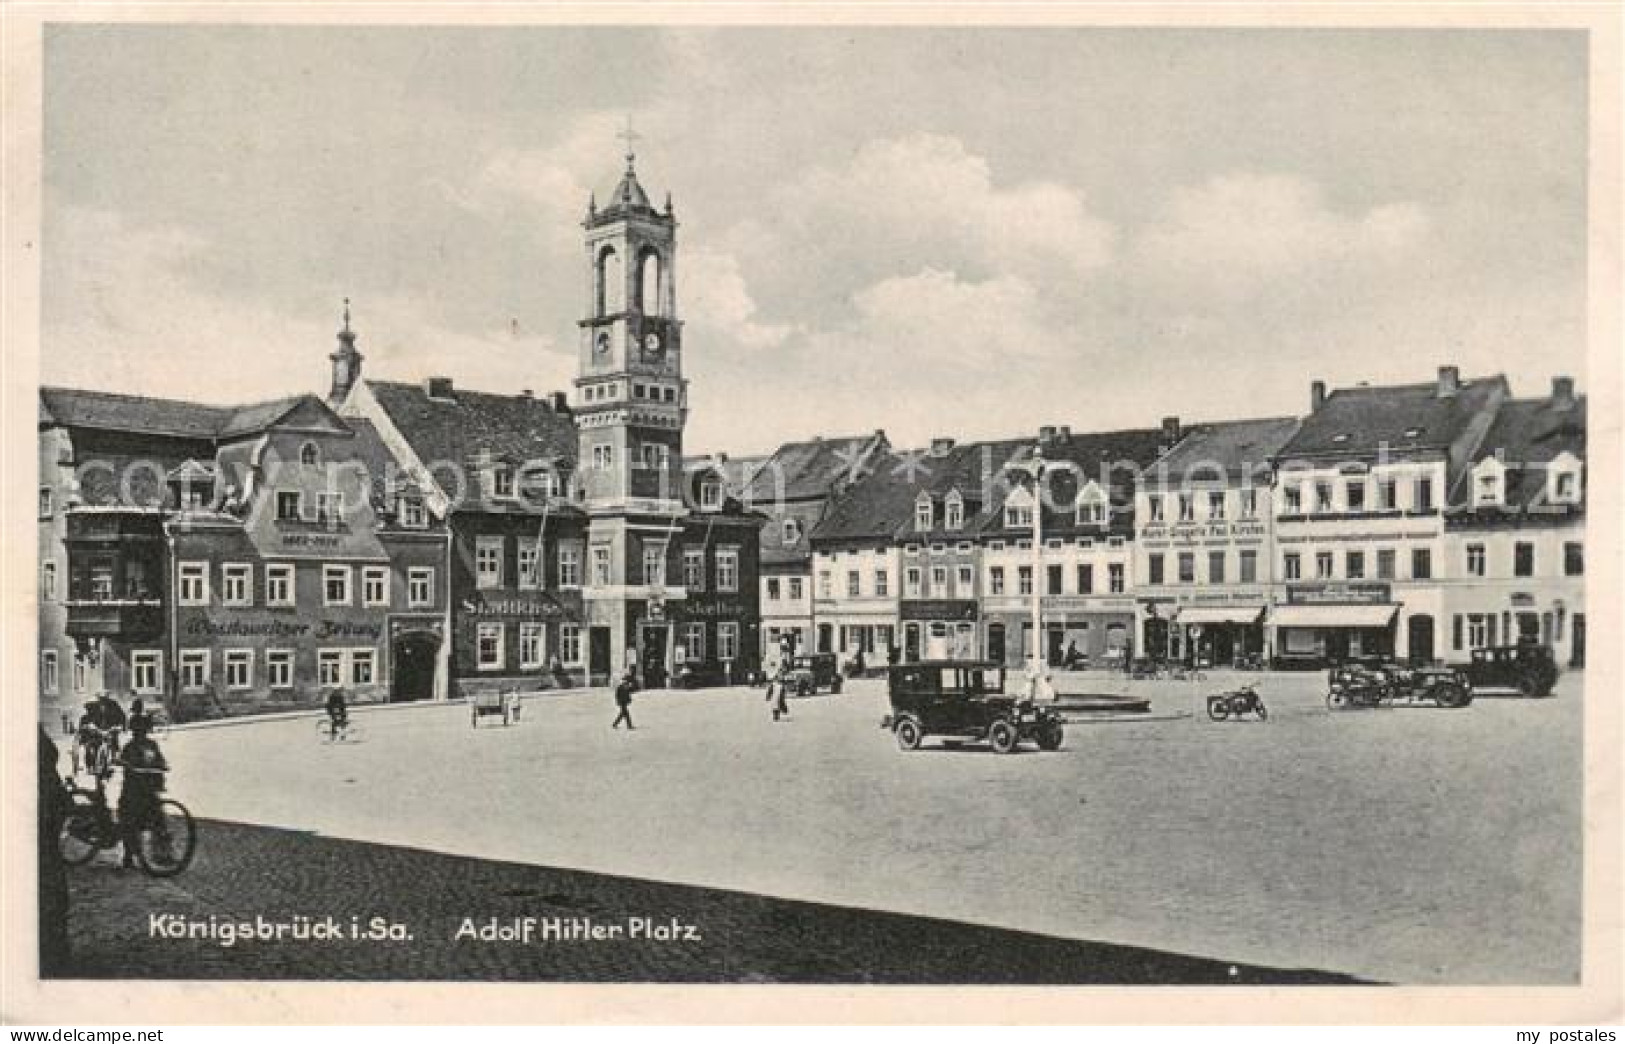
{"x":126,"y":925}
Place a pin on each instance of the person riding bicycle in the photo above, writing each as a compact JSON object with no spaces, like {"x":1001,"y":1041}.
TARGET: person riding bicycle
{"x":144,"y":767}
{"x":101,"y":722}
{"x":138,"y":712}
{"x":337,"y":713}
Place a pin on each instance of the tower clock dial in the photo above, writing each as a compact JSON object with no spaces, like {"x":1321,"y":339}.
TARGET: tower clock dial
{"x":600,"y":347}
{"x":654,"y":349}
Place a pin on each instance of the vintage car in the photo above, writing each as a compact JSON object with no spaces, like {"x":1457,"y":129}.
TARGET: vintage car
{"x":1529,"y":669}
{"x":810,"y":672}
{"x":1385,"y":684}
{"x":964,"y":700}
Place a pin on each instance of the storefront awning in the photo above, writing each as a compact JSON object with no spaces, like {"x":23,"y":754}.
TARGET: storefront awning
{"x":1219,"y":614}
{"x":1379,"y":615}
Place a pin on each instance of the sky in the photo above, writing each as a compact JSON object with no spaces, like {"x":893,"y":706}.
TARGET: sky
{"x":935,"y":232}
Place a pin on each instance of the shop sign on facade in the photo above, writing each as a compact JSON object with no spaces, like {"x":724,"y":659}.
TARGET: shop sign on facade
{"x":1334,"y":592}
{"x":939,"y":609}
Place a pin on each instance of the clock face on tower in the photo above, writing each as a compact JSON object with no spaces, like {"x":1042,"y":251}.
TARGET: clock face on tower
{"x":600,"y":347}
{"x":653,"y":348}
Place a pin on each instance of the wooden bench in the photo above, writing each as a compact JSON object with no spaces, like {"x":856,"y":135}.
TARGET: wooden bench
{"x":504,"y":705}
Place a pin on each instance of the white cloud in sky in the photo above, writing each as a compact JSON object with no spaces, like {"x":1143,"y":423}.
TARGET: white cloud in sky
{"x":717,"y":303}
{"x":1245,"y":233}
{"x":132,"y":314}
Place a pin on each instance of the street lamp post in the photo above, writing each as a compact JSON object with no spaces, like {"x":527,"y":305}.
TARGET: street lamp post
{"x":1034,"y":469}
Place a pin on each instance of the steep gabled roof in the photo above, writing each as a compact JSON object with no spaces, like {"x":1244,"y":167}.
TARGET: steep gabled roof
{"x":1527,"y":435}
{"x":140,"y":414}
{"x":1226,"y":448}
{"x":464,"y":428}
{"x":78,"y":408}
{"x":811,"y":469}
{"x":1361,"y":421}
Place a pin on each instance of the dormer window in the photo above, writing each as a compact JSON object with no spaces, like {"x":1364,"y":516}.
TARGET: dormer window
{"x":413,"y":515}
{"x":710,"y":495}
{"x":1091,"y":507}
{"x":541,"y":483}
{"x":954,"y":510}
{"x":924,"y":515}
{"x":1487,"y":489}
{"x":791,"y":530}
{"x":288,"y":508}
{"x":329,"y":507}
{"x":502,"y":482}
{"x":1563,"y":480}
{"x":1018,"y":510}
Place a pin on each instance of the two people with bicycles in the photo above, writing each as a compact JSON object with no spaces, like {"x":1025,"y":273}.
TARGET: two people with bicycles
{"x":138,"y":800}
{"x":96,"y":740}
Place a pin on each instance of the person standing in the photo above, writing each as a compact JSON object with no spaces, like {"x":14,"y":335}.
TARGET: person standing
{"x":623,"y":700}
{"x":53,"y":875}
{"x":138,"y":801}
{"x":780,"y":707}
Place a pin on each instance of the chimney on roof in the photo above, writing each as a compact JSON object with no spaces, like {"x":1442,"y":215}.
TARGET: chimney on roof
{"x":940,"y":446}
{"x":1563,"y":393}
{"x":1449,"y":381}
{"x":559,"y":401}
{"x":346,"y":363}
{"x":1064,"y":435}
{"x":527,"y":394}
{"x":1317,"y":396}
{"x":1170,"y":432}
{"x":439,"y":388}
{"x":1046,"y":435}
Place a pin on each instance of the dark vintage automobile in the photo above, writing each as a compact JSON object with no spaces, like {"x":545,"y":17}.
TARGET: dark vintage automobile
{"x":964,"y":700}
{"x":810,"y":672}
{"x":1528,"y":669}
{"x":1385,"y":684}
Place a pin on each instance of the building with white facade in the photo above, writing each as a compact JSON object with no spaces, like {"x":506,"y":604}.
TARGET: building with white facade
{"x":1513,"y":568}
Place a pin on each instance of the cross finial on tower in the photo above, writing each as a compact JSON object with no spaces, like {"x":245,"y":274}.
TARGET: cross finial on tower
{"x":346,"y":315}
{"x":631,"y":137}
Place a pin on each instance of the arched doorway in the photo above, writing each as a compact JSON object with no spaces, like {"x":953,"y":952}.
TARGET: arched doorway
{"x":1419,"y":633}
{"x":415,"y":657}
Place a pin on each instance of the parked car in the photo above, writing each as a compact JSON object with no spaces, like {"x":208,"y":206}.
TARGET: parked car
{"x":810,"y":672}
{"x":1528,"y":669}
{"x":1385,"y":684}
{"x":964,"y":700}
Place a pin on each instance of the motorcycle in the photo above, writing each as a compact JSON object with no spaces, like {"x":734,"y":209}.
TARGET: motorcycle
{"x":1237,"y":704}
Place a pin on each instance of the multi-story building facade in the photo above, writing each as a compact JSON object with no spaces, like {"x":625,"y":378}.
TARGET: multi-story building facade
{"x":856,"y":581}
{"x":1204,"y":571}
{"x":1082,"y":566}
{"x":1513,"y":567}
{"x":497,"y":472}
{"x":1360,"y":516}
{"x":794,"y":488}
{"x":229,"y":560}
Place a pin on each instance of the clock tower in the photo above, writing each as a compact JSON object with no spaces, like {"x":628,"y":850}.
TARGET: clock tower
{"x":631,"y":404}
{"x":631,"y":396}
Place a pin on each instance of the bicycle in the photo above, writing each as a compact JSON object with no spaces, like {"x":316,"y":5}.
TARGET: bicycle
{"x":93,"y":752}
{"x":349,"y":732}
{"x":164,"y":846}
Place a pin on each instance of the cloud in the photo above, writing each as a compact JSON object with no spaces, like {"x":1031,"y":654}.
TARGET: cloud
{"x":719,"y":304}
{"x":1239,"y":235}
{"x":128,"y":308}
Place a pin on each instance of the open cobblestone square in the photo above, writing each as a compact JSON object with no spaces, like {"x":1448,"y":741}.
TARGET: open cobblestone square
{"x":1364,"y":843}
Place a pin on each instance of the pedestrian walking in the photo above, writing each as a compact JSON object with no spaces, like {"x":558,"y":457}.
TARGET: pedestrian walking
{"x":623,"y":700}
{"x":777,"y":693}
